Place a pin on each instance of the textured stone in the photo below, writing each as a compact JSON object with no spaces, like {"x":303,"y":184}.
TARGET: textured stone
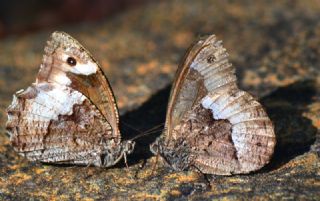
{"x":275,"y":47}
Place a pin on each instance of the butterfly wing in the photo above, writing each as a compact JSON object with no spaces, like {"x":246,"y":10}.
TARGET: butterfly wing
{"x":211,"y":125}
{"x":68,"y":115}
{"x":67,"y":62}
{"x":190,"y":85}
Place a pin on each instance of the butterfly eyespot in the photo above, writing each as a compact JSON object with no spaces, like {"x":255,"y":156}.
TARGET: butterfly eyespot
{"x":71,"y":61}
{"x":211,"y":59}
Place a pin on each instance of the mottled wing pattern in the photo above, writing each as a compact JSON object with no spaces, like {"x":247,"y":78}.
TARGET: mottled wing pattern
{"x":212,"y":125}
{"x":85,"y":76}
{"x":51,"y":123}
{"x":68,"y":115}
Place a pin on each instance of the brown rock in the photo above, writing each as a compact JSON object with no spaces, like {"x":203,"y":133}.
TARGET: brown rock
{"x":275,"y":47}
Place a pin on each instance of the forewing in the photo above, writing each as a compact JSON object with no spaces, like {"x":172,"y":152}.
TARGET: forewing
{"x":205,"y":68}
{"x":66,"y":62}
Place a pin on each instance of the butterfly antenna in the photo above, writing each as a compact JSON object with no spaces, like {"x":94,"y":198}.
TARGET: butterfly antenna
{"x":145,"y":134}
{"x":149,"y":131}
{"x":131,"y":127}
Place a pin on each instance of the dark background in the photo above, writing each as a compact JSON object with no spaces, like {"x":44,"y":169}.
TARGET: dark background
{"x":21,"y":17}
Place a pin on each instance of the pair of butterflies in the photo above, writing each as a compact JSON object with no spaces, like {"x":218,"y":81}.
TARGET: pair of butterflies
{"x":69,"y":115}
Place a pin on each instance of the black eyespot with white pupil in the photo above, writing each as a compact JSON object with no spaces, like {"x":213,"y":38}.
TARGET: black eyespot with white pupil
{"x":211,"y":59}
{"x":71,"y":61}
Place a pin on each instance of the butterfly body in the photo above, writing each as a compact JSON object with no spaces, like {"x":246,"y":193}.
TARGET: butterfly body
{"x":69,"y":114}
{"x":211,"y":125}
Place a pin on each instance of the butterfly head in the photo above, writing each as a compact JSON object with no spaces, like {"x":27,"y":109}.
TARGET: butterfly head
{"x":64,"y":55}
{"x":154,"y":147}
{"x":128,"y":147}
{"x":178,"y":158}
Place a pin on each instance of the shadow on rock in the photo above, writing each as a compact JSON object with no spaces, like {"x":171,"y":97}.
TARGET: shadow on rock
{"x":295,"y":133}
{"x":150,"y":115}
{"x":285,"y":106}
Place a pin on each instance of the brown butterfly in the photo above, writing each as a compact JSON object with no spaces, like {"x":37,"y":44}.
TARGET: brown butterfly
{"x":211,"y":125}
{"x":69,"y":114}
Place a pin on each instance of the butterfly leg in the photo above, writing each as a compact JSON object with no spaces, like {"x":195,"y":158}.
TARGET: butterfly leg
{"x":155,"y":165}
{"x":199,"y":185}
{"x":142,"y":164}
{"x":125,"y":160}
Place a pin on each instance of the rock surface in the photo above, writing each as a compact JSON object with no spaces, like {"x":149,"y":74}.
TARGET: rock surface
{"x":275,"y":47}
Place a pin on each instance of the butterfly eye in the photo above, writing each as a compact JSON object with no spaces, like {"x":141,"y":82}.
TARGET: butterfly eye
{"x":71,"y":61}
{"x":211,"y":59}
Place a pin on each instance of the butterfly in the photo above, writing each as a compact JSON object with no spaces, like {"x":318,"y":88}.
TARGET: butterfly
{"x":211,"y":125}
{"x":69,"y":114}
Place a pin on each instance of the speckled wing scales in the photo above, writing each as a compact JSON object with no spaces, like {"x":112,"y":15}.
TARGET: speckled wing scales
{"x":69,"y":114}
{"x":86,"y":76}
{"x":68,"y":129}
{"x":224,"y":130}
